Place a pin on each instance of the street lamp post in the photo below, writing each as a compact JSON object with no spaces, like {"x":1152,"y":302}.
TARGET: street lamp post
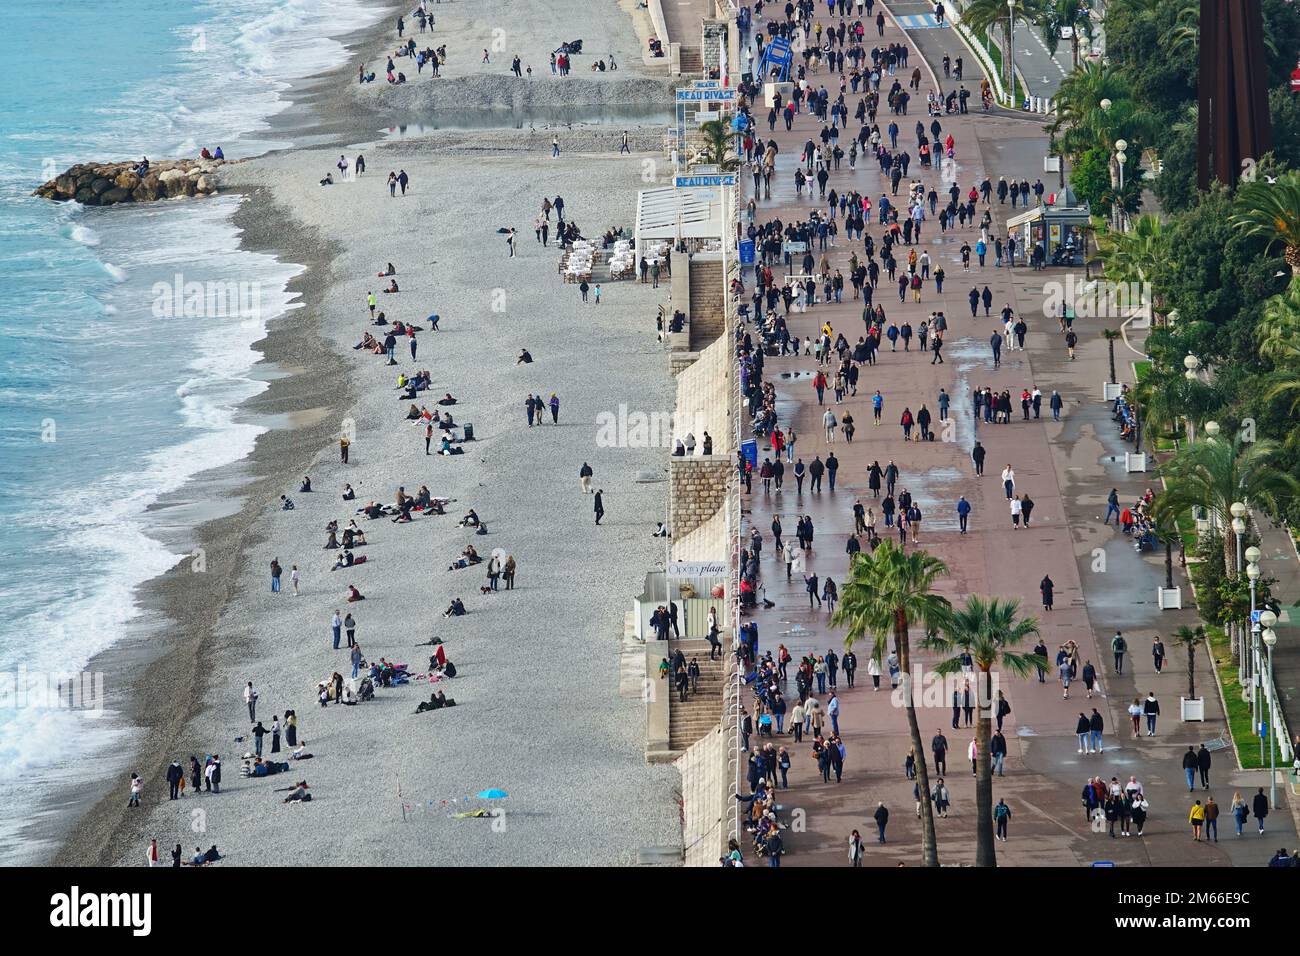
{"x":1249,"y":660}
{"x":1121,"y":156}
{"x":1268,"y":619}
{"x":1253,"y":573}
{"x":1011,"y":52}
{"x":1238,"y":525}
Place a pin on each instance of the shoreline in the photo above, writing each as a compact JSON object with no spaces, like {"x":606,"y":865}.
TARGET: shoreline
{"x":307,"y":375}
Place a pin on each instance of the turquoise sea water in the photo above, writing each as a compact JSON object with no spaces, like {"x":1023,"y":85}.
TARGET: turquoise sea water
{"x":109,"y":396}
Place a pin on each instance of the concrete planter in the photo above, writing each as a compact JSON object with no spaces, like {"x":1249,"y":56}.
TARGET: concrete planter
{"x":1135,"y":461}
{"x":1169,"y":599}
{"x":1192,"y":708}
{"x":1111,"y":391}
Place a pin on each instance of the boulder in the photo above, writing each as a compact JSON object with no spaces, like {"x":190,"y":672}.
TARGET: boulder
{"x":109,"y":184}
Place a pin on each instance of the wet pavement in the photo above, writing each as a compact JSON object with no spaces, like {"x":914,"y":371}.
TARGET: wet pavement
{"x":1066,"y":467}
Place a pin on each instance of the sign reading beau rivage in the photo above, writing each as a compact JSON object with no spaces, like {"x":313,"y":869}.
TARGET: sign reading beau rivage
{"x":698,"y":569}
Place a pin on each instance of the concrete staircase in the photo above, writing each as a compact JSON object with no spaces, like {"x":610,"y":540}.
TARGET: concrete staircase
{"x":708,"y":321}
{"x":702,"y":711}
{"x":692,"y":60}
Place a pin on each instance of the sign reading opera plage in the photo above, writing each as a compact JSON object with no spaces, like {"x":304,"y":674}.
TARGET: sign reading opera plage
{"x":698,"y":569}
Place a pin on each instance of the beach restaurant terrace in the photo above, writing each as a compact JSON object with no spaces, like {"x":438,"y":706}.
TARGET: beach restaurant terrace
{"x":670,"y":215}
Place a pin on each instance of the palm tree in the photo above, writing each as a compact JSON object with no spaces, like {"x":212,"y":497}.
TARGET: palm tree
{"x":1140,"y":255}
{"x":1214,"y":473}
{"x":1190,"y":639}
{"x":1082,"y":123}
{"x":981,"y":16}
{"x":889,"y":590}
{"x":989,"y":629}
{"x":1166,"y":396}
{"x":1110,"y":335}
{"x":1272,"y":210}
{"x":1279,"y":332}
{"x":718,"y":139}
{"x":1055,"y":15}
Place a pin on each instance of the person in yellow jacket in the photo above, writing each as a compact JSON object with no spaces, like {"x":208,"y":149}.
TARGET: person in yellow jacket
{"x":1197,"y":819}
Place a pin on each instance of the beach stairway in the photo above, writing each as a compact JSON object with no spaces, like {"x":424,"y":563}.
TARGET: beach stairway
{"x":708,"y":321}
{"x":692,"y":60}
{"x":702,"y":711}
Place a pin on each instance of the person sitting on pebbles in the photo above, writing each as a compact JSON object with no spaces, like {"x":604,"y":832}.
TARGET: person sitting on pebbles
{"x":392,"y":287}
{"x":348,"y":493}
{"x":299,"y":793}
{"x":467,"y":557}
{"x":469,"y":521}
{"x":525,"y":358}
{"x":447,"y":400}
{"x":354,"y":595}
{"x":305,"y":487}
{"x":455,"y":609}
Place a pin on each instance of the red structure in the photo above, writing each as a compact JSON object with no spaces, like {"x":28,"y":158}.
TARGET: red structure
{"x":1234,"y":123}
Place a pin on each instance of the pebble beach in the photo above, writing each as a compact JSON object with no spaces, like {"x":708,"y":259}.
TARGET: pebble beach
{"x":538,"y":710}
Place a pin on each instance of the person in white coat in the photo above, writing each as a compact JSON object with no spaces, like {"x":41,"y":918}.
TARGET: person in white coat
{"x":873,"y":668}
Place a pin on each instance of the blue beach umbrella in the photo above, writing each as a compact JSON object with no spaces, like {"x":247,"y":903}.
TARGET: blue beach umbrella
{"x":492,"y":794}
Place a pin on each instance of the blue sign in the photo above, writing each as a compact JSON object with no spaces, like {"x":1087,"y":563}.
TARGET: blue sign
{"x":747,"y":252}
{"x":749,"y":449}
{"x":706,"y":96}
{"x":704,"y":182}
{"x":1254,"y":616}
{"x":1102,"y":863}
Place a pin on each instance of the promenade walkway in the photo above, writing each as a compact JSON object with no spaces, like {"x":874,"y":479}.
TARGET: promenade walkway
{"x":1063,"y":466}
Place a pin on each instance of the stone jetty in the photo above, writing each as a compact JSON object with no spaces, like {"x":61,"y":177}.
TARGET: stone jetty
{"x":107,"y":184}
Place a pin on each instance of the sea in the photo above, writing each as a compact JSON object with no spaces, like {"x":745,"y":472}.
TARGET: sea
{"x":126,"y":338}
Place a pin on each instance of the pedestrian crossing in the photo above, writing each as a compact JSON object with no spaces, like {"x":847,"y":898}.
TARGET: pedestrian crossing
{"x":920,"y":21}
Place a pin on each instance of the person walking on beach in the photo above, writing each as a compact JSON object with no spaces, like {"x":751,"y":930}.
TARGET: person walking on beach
{"x":392,"y":184}
{"x":555,"y":147}
{"x":174,"y":777}
{"x":294,"y":578}
{"x":510,"y":243}
{"x":275,"y":575}
{"x":350,"y":626}
{"x":137,"y":787}
{"x":250,"y":698}
{"x":584,"y":478}
{"x":344,"y":442}
{"x":356,"y":659}
{"x":599,"y":505}
{"x":403,"y":180}
{"x":258,"y":733}
{"x":336,"y":625}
